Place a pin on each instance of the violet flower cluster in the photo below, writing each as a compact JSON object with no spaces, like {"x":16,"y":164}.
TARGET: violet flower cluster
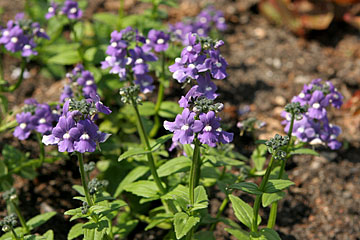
{"x":35,"y":117}
{"x":20,"y":34}
{"x":200,"y":60}
{"x":69,"y":8}
{"x":208,"y":19}
{"x":314,"y":126}
{"x":81,"y":83}
{"x":76,"y":129}
{"x":129,"y":54}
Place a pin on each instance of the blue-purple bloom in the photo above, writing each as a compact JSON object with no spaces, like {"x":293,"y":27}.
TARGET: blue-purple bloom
{"x":126,"y":60}
{"x":69,"y":8}
{"x":19,"y":35}
{"x":314,"y":126}
{"x":202,"y":24}
{"x":35,"y":117}
{"x":184,"y":127}
{"x":157,"y":40}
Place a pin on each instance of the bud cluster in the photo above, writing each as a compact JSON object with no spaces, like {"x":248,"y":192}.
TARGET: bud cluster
{"x":96,"y":185}
{"x":9,"y":194}
{"x":204,"y":105}
{"x":129,"y":93}
{"x":8,"y":222}
{"x":295,"y":108}
{"x":275,"y":144}
{"x":85,"y":208}
{"x":89,"y":167}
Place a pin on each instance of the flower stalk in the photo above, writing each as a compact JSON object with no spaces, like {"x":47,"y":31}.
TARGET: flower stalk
{"x":42,"y":148}
{"x":254,"y":226}
{"x":20,"y":216}
{"x":274,"y":206}
{"x":83,"y":179}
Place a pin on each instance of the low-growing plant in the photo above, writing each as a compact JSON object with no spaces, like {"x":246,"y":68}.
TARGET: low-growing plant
{"x":142,"y":177}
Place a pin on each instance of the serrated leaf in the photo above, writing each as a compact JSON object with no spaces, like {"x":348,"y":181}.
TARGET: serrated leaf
{"x":160,"y":141}
{"x":200,"y":198}
{"x":75,"y":231}
{"x":3,"y":168}
{"x":269,"y":198}
{"x":205,"y":235}
{"x":276,"y":185}
{"x":243,"y":211}
{"x":247,"y":187}
{"x":238,"y":233}
{"x":173,"y":166}
{"x":40,"y":219}
{"x":143,"y":188}
{"x":306,"y":151}
{"x":132,"y":176}
{"x":49,"y":235}
{"x":183,"y":224}
{"x":147,"y":108}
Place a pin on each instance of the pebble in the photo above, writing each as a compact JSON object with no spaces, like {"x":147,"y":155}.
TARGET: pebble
{"x":280,"y":100}
{"x":260,"y":33}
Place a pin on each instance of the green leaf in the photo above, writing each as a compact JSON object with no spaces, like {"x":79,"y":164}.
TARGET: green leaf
{"x":107,"y":18}
{"x":60,"y":48}
{"x":169,"y":109}
{"x":147,"y":108}
{"x":173,"y":166}
{"x":160,"y":141}
{"x":40,"y":219}
{"x":269,"y":198}
{"x":159,"y":218}
{"x":238,"y":233}
{"x":259,"y":156}
{"x":247,"y":187}
{"x":183,"y":224}
{"x":3,"y":168}
{"x":49,"y":235}
{"x":265,"y":234}
{"x":75,"y":231}
{"x":65,"y":58}
{"x":132,"y":152}
{"x":307,"y":151}
{"x":276,"y":185}
{"x":143,"y":188}
{"x":200,"y":198}
{"x":243,"y":211}
{"x":204,"y":235}
{"x":79,"y":189}
{"x":132,"y":176}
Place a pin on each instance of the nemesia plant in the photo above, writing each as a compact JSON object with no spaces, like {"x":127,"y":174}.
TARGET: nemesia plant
{"x":139,"y":179}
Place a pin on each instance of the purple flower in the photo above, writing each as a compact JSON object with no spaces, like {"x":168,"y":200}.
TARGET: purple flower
{"x":71,"y":9}
{"x":23,"y":130}
{"x":86,"y":136}
{"x":216,"y":64}
{"x":314,"y":126}
{"x":184,"y":127}
{"x":44,"y":118}
{"x":66,"y":94}
{"x":65,"y":134}
{"x":145,"y":82}
{"x":157,"y":40}
{"x":52,"y":10}
{"x":99,"y":105}
{"x":86,"y":80}
{"x":211,"y":123}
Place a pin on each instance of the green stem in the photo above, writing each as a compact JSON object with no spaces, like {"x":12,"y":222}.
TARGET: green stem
{"x":14,"y":233}
{"x":194,"y":171}
{"x":220,"y":211}
{"x":274,"y":205}
{"x":151,"y":162}
{"x":20,"y":216}
{"x":42,"y":149}
{"x":160,"y":98}
{"x":121,"y":13}
{"x":21,"y":77}
{"x":193,"y":181}
{"x":83,"y":179}
{"x":254,"y":226}
{"x":80,"y":50}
